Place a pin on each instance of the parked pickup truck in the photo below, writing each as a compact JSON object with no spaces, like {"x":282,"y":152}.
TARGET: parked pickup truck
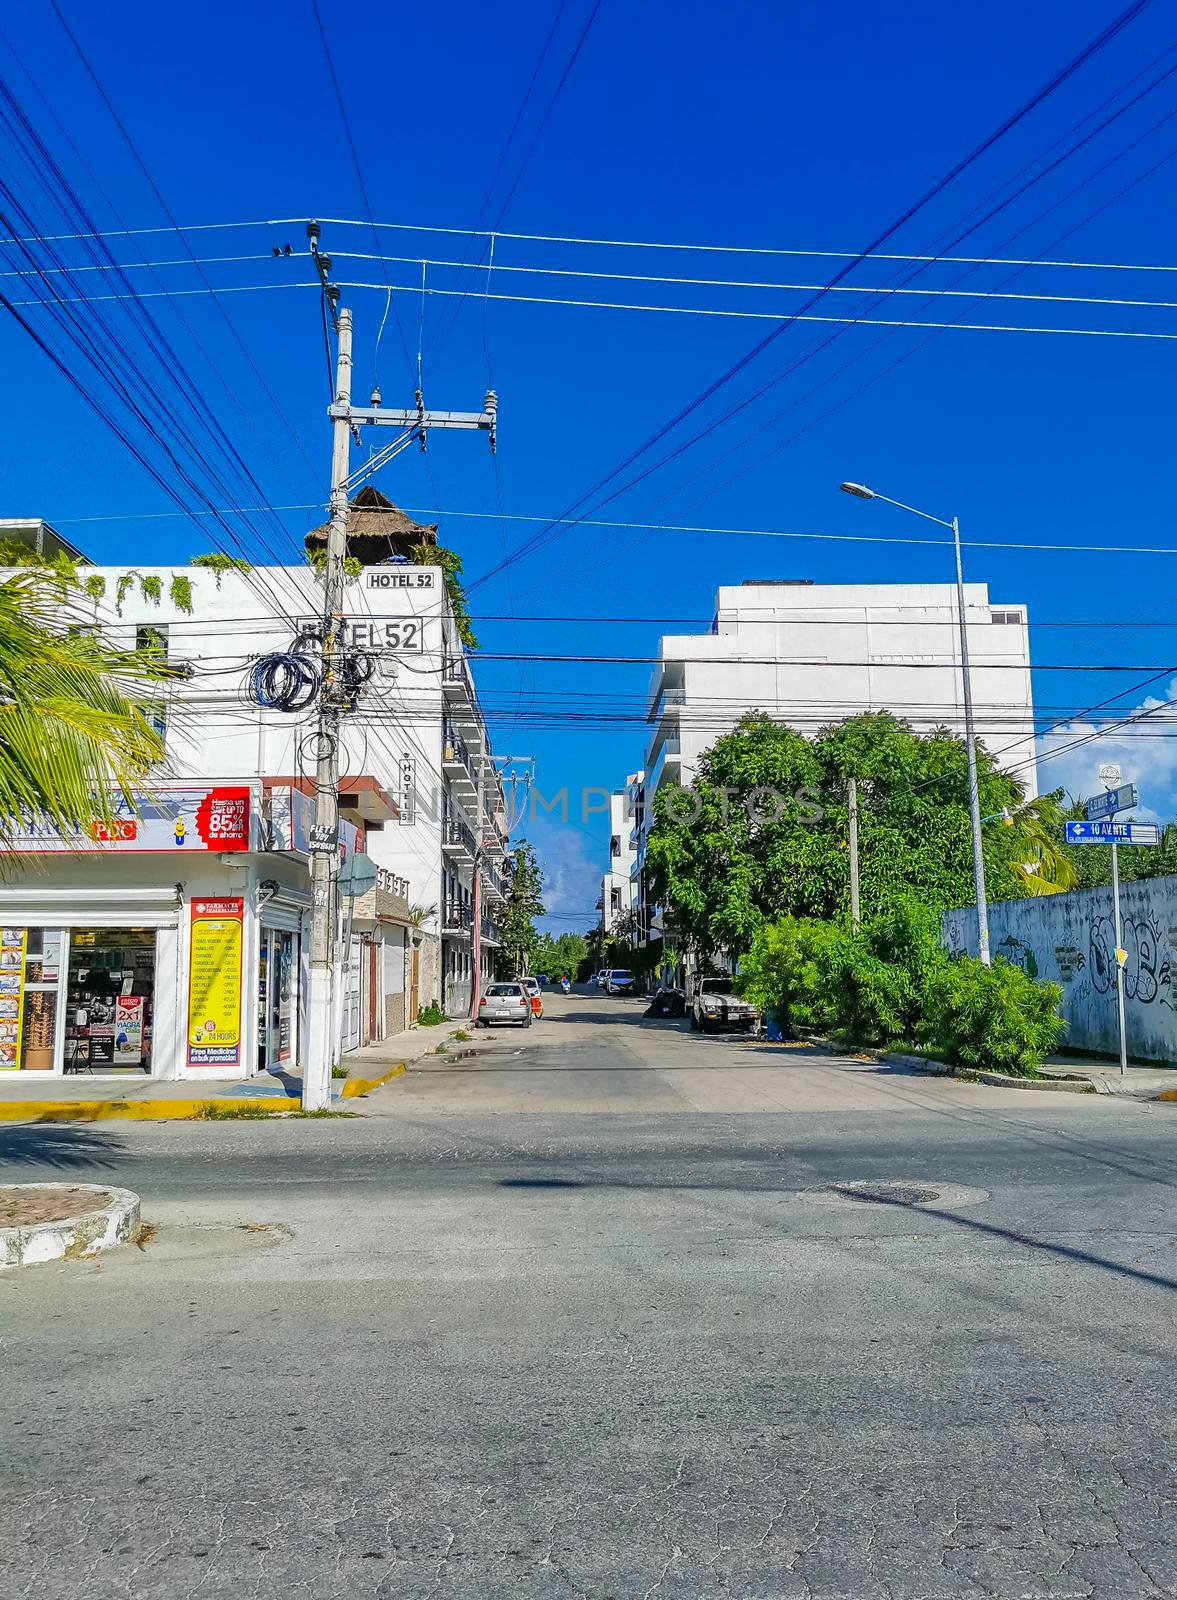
{"x":716,"y":1006}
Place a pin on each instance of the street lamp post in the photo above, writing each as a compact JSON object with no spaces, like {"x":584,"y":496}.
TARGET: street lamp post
{"x":861,"y":492}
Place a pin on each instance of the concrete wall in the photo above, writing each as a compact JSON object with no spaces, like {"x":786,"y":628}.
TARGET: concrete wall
{"x":1067,"y":939}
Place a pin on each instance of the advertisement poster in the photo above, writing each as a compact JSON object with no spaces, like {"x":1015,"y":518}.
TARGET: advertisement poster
{"x":182,"y":819}
{"x":285,"y":977}
{"x":128,"y":1030}
{"x":12,"y":995}
{"x":214,"y":983}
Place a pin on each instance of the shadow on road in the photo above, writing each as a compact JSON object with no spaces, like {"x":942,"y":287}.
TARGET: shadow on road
{"x":1011,"y":1235}
{"x":58,"y":1144}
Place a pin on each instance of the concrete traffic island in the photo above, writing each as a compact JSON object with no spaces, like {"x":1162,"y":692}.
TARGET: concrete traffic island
{"x":42,"y":1222}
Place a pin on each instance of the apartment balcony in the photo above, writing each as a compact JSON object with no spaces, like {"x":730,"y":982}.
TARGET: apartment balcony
{"x":457,"y":838}
{"x":456,"y":682}
{"x":494,"y":883}
{"x":456,"y":922}
{"x":667,"y":767}
{"x":457,"y":763}
{"x":490,"y":933}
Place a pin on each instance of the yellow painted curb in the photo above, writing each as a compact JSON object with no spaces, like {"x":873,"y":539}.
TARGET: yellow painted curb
{"x":148,"y":1110}
{"x":1167,"y":1094}
{"x":355,"y":1086}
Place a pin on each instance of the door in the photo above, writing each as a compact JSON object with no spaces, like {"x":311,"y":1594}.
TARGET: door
{"x":373,"y":996}
{"x":277,"y":1001}
{"x":414,"y":983}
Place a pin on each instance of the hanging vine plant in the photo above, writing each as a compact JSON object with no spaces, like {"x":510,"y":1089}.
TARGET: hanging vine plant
{"x":180,"y":594}
{"x":218,"y":562}
{"x":433,"y":555}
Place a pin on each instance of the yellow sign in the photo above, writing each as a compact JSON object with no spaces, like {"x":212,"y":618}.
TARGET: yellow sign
{"x":214,"y":983}
{"x":1121,"y":955}
{"x":13,"y":945}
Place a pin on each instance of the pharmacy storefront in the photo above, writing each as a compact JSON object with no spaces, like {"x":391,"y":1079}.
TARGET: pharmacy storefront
{"x":172,"y":945}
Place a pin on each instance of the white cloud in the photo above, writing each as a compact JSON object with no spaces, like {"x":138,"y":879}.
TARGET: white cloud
{"x":572,"y":866}
{"x":1145,"y":749}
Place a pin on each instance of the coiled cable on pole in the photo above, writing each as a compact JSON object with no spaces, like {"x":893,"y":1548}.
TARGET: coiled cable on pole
{"x":284,"y":681}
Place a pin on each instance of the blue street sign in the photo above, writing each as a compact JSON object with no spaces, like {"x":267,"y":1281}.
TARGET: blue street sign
{"x":1106,"y":805}
{"x":1112,"y":833}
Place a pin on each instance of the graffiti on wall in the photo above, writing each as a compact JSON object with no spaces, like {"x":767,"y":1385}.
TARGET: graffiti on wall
{"x":1148,"y":971}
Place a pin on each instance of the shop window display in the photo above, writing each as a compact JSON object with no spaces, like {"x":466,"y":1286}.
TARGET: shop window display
{"x":110,"y":999}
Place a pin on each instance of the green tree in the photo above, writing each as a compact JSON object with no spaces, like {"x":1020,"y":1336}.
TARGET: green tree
{"x":557,"y":953}
{"x":524,"y":905}
{"x":74,"y":728}
{"x":762,"y":830}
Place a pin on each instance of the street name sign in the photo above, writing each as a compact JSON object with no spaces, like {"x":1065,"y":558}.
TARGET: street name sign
{"x":1112,"y":833}
{"x":1106,"y":805}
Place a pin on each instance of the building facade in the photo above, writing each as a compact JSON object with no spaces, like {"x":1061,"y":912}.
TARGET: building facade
{"x":814,"y":654}
{"x":618,"y":886}
{"x":420,"y":798}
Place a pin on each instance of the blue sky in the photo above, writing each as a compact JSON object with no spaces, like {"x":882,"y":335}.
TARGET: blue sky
{"x":787,"y":127}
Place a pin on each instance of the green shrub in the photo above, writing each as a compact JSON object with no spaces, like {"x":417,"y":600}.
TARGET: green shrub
{"x":429,"y":1016}
{"x":992,"y":1019}
{"x":891,"y":983}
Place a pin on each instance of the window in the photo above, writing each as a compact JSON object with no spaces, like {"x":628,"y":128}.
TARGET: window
{"x":1014,"y":617}
{"x":153,"y":638}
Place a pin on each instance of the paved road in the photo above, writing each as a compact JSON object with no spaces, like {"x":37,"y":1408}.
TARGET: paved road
{"x":647,"y":1350}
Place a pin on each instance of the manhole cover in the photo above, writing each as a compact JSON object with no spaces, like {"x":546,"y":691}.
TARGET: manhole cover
{"x":886,"y":1194}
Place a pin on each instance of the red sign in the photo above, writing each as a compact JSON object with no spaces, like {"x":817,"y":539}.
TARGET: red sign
{"x":222,"y":819}
{"x":121,"y":831}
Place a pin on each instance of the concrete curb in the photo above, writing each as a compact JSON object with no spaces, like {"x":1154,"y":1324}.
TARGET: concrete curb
{"x":357,"y":1086}
{"x":109,"y":1225}
{"x":1056,"y":1084}
{"x":111,"y":1110}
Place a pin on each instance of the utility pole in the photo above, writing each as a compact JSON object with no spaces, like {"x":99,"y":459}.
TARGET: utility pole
{"x":476,"y":896}
{"x":860,"y":491}
{"x":325,"y":839}
{"x":320,"y":1056}
{"x":852,"y":808}
{"x":971,"y":749}
{"x":1119,"y":963}
{"x":336,"y":694}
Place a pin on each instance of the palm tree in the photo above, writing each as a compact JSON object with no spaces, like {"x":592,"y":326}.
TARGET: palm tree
{"x":74,"y":730}
{"x":1039,"y":858}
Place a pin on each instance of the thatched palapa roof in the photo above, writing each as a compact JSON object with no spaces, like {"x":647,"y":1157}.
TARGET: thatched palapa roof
{"x":376,"y":530}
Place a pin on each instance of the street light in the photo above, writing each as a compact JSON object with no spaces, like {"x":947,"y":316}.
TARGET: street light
{"x":861,"y":492}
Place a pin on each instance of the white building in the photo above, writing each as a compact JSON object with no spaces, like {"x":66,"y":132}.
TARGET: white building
{"x":814,"y":654}
{"x":618,"y":886}
{"x":420,"y":794}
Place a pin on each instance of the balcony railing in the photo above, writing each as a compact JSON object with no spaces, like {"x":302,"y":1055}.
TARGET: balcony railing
{"x":455,"y":675}
{"x":392,"y":882}
{"x":458,"y":835}
{"x":456,"y":752}
{"x":494,"y":881}
{"x":457,"y":919}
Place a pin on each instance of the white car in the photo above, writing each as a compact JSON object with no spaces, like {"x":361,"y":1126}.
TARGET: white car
{"x":619,"y":982}
{"x":599,"y":978}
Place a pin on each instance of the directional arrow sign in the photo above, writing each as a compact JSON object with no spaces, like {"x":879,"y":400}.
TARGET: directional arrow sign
{"x":1106,"y":805}
{"x":1112,"y":833}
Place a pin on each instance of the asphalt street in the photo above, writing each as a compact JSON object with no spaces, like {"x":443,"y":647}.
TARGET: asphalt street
{"x":627,"y":1314}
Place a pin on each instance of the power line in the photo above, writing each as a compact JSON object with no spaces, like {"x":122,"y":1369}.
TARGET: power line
{"x":758,"y":316}
{"x":724,"y":378}
{"x":155,"y":189}
{"x":663,"y":527}
{"x":739,"y":283}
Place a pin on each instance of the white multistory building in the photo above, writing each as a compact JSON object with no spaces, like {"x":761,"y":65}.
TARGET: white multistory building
{"x":420,"y":796}
{"x":812,"y":654}
{"x":618,"y":886}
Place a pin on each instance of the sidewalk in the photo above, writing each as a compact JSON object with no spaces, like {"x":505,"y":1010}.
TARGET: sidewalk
{"x":1144,"y":1082}
{"x":81,"y":1097}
